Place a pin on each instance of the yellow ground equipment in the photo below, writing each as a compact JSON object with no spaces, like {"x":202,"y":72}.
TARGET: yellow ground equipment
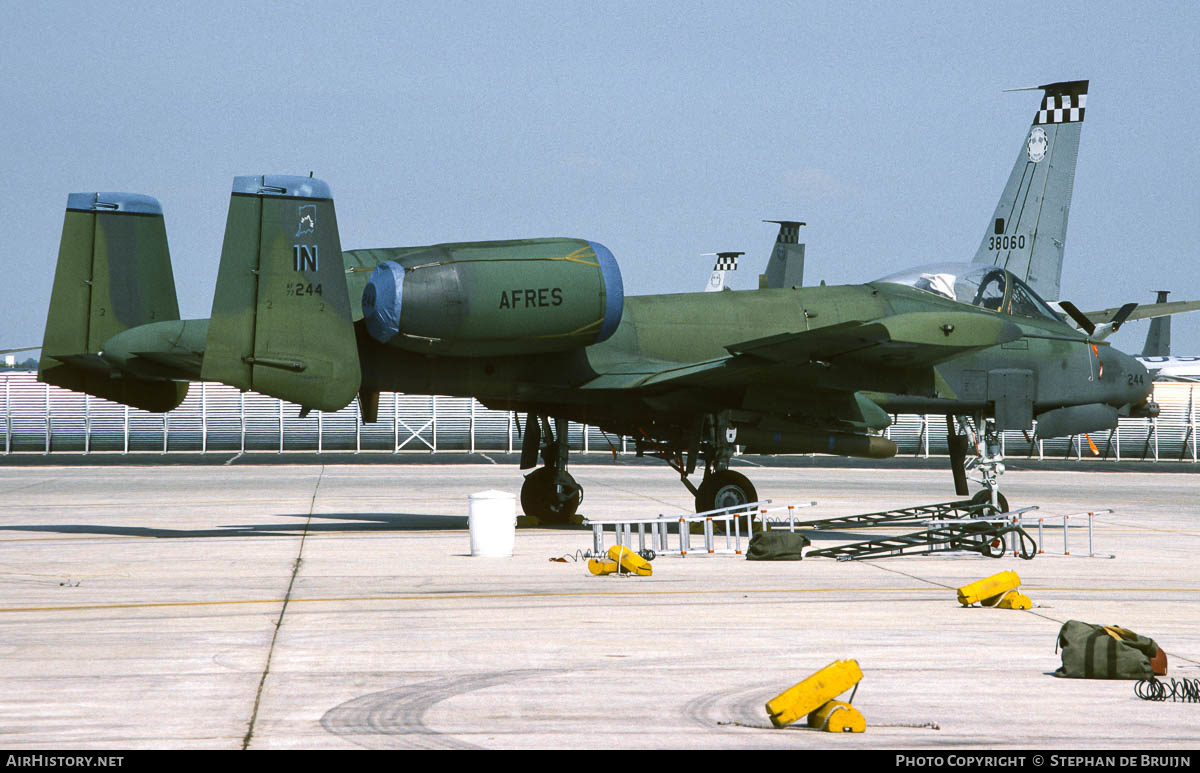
{"x":630,"y":561}
{"x":1015,"y":600}
{"x":837,"y":717}
{"x":815,"y":697}
{"x":999,"y":590}
{"x":599,"y":566}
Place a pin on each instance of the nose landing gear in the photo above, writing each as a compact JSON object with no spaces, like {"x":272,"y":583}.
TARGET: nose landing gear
{"x":989,"y":464}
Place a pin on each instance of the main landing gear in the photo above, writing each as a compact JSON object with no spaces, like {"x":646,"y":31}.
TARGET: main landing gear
{"x":549,"y":493}
{"x":552,"y":496}
{"x":724,"y":488}
{"x":713,"y":440}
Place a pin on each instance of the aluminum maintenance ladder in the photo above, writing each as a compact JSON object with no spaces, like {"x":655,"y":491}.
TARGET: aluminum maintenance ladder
{"x":1042,"y":526}
{"x":653,"y":534}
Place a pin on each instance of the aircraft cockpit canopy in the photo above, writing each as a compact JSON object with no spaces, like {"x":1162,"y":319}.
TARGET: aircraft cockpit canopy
{"x":978,"y":284}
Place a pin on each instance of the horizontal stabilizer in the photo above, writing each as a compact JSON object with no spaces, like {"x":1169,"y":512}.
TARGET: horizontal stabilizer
{"x":160,"y":350}
{"x":93,"y":362}
{"x":181,"y":365}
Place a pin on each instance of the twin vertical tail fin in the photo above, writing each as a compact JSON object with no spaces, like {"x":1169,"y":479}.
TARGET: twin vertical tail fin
{"x":281,"y":320}
{"x":113,"y":274}
{"x":1029,"y":227}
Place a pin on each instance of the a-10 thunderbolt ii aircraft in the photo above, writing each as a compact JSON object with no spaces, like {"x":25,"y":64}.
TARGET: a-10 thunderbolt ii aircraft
{"x":543,"y":326}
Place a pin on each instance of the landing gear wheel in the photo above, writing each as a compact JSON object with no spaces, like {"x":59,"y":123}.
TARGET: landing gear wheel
{"x":540,"y":497}
{"x":724,"y":488}
{"x":985,"y":497}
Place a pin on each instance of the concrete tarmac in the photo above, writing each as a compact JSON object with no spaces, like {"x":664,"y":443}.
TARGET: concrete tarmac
{"x":330,"y":606}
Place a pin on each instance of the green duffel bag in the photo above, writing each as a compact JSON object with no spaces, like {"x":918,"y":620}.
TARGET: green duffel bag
{"x":776,"y":546}
{"x":1104,"y":652}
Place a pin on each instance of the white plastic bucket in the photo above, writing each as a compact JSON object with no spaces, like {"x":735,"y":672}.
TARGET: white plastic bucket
{"x":492,"y":520}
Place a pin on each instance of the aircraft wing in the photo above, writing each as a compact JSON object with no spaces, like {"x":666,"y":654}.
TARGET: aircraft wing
{"x":848,"y":356}
{"x":916,"y":339}
{"x":1148,"y":311}
{"x":646,"y":372}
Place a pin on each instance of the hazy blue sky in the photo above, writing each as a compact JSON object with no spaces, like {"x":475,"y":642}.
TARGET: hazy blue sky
{"x":663,"y":130}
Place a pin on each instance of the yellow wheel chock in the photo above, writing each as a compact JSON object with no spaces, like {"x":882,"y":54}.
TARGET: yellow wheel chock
{"x":1015,"y":600}
{"x":620,"y":559}
{"x":815,"y":697}
{"x":630,"y":561}
{"x":999,"y":590}
{"x":837,"y":717}
{"x":598,"y":566}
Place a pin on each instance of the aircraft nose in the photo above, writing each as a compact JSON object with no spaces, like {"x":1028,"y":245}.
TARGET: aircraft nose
{"x":1134,"y":383}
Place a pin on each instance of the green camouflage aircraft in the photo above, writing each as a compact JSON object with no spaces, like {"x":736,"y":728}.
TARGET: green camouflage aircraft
{"x":542,"y":326}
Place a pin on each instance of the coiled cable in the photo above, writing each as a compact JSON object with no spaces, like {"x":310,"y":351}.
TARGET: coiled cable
{"x":1174,"y":690}
{"x":990,"y":542}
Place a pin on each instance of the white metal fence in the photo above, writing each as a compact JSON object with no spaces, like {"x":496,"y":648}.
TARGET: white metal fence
{"x":39,"y":418}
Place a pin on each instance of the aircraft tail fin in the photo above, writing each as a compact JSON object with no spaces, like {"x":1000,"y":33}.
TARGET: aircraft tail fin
{"x":786,"y":265}
{"x":1029,"y":227}
{"x":113,"y":274}
{"x":281,"y":321}
{"x":1158,"y":338}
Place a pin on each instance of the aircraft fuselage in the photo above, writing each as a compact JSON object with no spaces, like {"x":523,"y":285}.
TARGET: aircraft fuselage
{"x":658,"y":332}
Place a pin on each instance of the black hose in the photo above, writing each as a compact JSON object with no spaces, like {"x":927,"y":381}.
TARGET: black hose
{"x":1174,"y":690}
{"x":1027,"y":546}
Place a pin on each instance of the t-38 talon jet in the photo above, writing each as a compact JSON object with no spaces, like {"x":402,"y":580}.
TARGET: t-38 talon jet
{"x":543,"y":326}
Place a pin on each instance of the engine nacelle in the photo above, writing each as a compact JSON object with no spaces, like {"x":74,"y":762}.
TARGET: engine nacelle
{"x":479,"y":299}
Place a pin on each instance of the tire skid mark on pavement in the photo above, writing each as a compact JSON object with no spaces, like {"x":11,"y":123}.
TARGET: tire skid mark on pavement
{"x":395,"y":718}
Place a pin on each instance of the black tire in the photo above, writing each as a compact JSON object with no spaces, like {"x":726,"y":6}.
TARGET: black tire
{"x":985,"y":497}
{"x":540,"y":499}
{"x":724,"y":488}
